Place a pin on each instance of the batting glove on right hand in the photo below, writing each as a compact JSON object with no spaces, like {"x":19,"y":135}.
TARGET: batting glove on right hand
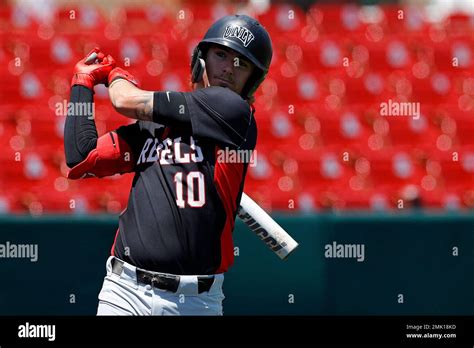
{"x":94,"y":69}
{"x":119,"y":73}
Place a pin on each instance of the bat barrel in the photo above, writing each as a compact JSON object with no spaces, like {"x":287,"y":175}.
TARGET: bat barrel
{"x":267,"y":229}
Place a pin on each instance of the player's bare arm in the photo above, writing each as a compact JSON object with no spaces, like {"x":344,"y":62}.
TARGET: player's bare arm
{"x":127,"y":98}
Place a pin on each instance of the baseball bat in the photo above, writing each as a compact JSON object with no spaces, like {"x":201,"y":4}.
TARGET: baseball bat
{"x":94,"y":57}
{"x":267,"y":229}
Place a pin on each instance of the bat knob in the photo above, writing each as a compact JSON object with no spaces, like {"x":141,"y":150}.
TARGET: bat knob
{"x":92,"y":57}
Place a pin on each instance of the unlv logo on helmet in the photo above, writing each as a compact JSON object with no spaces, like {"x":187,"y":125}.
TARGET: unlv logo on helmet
{"x":241,"y":33}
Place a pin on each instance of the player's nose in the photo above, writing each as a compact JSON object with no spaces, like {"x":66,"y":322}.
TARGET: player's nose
{"x":228,"y":66}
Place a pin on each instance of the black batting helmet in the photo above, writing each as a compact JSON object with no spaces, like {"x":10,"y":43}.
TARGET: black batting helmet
{"x":246,"y":36}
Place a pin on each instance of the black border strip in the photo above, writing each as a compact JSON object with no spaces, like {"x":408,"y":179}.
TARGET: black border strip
{"x":289,"y":330}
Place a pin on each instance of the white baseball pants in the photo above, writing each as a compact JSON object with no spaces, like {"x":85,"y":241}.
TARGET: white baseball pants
{"x":123,"y":295}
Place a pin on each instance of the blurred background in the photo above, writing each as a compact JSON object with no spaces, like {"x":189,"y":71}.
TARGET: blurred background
{"x":322,"y":142}
{"x":324,"y":150}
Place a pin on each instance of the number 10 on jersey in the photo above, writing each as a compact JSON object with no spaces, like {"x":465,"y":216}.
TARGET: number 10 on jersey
{"x":191,"y":179}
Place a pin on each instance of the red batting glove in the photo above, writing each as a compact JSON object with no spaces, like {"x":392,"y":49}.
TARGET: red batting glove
{"x":119,"y":73}
{"x":93,"y":70}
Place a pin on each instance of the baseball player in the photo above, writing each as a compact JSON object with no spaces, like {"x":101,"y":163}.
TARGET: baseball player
{"x":174,"y":241}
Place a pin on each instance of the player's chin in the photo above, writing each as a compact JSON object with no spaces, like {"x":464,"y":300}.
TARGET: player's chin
{"x":221,"y":83}
{"x":226,"y":85}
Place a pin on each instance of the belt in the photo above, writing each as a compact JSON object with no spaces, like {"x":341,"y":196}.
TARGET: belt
{"x":169,"y":282}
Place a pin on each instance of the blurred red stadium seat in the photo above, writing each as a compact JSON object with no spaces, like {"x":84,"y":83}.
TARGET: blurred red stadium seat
{"x":332,"y":67}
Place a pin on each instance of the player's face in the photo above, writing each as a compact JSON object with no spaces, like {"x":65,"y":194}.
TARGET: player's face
{"x":227,"y":68}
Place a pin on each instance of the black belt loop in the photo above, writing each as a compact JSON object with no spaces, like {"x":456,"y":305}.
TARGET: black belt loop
{"x":167,"y":282}
{"x":205,"y":284}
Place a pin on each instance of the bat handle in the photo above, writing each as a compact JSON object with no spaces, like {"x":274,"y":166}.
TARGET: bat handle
{"x":92,"y":57}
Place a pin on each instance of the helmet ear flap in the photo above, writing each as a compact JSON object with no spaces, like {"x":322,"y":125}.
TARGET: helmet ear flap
{"x":197,"y":69}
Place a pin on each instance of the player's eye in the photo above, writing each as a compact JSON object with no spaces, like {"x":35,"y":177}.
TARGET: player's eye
{"x":244,"y":65}
{"x":220,"y":54}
